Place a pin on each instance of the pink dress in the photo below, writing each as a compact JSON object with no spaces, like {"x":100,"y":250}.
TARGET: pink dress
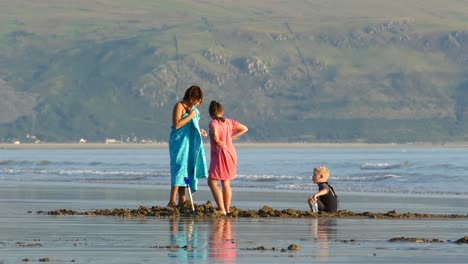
{"x":223,"y":159}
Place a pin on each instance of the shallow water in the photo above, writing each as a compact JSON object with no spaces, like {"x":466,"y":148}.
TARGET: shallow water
{"x":62,"y":239}
{"x":438,"y":170}
{"x":420,"y":180}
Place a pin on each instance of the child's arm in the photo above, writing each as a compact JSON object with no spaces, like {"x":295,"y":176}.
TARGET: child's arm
{"x":203,"y":133}
{"x":313,"y":198}
{"x":240,"y":130}
{"x":214,"y":135}
{"x":178,"y":111}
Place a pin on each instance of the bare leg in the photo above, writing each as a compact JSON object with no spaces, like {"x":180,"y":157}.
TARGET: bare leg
{"x":321,"y":206}
{"x":172,"y":199}
{"x":309,"y":201}
{"x":181,"y":196}
{"x":217,"y":194}
{"x":227,"y":194}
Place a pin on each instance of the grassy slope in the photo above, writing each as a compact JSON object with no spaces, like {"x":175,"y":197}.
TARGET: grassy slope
{"x":103,"y":45}
{"x":108,"y":17}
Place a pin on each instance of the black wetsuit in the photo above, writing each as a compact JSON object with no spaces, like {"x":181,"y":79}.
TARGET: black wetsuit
{"x":329,"y":201}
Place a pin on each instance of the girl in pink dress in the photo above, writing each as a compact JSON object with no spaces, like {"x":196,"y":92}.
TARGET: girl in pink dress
{"x":223,"y":155}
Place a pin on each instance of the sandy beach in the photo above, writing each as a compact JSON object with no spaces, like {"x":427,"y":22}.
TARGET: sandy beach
{"x":47,"y":177}
{"x":29,"y":236}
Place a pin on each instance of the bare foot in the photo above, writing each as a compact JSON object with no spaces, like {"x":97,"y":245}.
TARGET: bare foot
{"x":171,"y":205}
{"x":182,"y":204}
{"x":220,"y":212}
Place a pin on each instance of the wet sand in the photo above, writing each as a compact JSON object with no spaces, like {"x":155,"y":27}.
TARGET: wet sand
{"x":28,"y":236}
{"x":209,"y":210}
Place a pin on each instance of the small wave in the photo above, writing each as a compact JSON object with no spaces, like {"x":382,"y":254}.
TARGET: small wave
{"x":134,"y":164}
{"x":81,"y":172}
{"x":296,"y":186}
{"x":28,"y":162}
{"x":367,"y":178}
{"x":382,"y":165}
{"x":69,"y":163}
{"x":109,"y":179}
{"x":16,"y":162}
{"x":268,"y":178}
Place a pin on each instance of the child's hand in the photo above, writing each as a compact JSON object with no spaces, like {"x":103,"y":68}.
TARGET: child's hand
{"x":312,"y":198}
{"x":203,"y":133}
{"x":191,"y":113}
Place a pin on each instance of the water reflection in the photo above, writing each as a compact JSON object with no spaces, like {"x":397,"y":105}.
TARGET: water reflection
{"x":185,"y":240}
{"x":222,"y":244}
{"x":322,"y":229}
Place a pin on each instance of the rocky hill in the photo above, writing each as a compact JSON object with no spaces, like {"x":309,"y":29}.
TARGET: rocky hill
{"x":300,"y":71}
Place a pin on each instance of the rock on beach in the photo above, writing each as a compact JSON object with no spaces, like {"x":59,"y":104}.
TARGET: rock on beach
{"x":208,"y":210}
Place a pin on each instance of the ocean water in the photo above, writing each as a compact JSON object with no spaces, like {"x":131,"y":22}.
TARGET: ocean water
{"x":83,"y":179}
{"x":412,"y":170}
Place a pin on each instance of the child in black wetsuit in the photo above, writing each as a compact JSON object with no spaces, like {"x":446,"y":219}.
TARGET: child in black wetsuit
{"x":326,"y":198}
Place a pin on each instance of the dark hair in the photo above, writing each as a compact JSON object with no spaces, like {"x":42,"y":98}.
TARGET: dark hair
{"x":215,"y":109}
{"x":193,"y":93}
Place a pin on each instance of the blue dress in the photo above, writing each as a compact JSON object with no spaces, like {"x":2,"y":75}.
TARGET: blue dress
{"x":187,"y":153}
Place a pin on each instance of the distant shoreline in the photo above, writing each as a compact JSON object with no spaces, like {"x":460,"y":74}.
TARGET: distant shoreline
{"x":240,"y":145}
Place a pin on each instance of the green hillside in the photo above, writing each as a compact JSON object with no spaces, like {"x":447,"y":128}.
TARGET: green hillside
{"x":335,"y":70}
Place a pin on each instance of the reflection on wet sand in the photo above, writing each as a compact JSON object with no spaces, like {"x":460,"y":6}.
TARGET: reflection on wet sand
{"x":222,"y":244}
{"x":185,"y":240}
{"x":321,"y":229}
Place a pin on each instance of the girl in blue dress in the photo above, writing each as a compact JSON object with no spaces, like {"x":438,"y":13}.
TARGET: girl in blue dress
{"x":186,"y":145}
